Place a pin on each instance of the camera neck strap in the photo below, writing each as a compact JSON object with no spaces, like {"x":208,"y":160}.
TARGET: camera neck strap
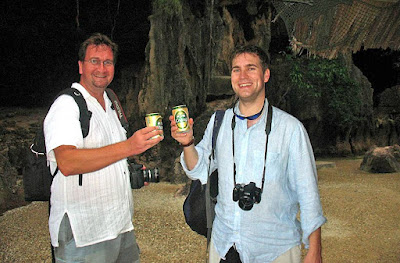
{"x":267,"y":131}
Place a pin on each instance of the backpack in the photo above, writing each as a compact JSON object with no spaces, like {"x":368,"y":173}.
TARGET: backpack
{"x":198,"y":207}
{"x":37,"y":177}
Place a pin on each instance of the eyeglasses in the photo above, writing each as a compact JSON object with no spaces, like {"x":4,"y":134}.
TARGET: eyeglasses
{"x":97,"y":62}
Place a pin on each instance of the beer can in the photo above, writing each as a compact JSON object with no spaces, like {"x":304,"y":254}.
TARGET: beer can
{"x":181,"y":117}
{"x":154,"y":119}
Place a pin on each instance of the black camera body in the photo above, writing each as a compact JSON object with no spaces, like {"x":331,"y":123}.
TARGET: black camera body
{"x":247,"y":195}
{"x":138,"y":175}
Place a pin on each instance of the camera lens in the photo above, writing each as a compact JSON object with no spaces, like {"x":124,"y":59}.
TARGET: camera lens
{"x":156,"y":175}
{"x":246,"y":203}
{"x":151,"y":175}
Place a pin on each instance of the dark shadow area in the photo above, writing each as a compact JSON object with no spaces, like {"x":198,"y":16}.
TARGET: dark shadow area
{"x":220,"y":97}
{"x":41,"y":41}
{"x":381,"y":67}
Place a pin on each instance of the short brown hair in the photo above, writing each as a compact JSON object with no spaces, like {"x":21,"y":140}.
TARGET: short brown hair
{"x":98,"y":39}
{"x":252,"y":49}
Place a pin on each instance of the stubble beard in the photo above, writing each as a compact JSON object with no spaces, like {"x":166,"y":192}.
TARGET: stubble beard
{"x":100,"y":84}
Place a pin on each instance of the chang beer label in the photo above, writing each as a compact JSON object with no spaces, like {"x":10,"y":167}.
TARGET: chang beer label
{"x":159,"y":123}
{"x":181,"y":120}
{"x":154,"y":119}
{"x":181,"y":116}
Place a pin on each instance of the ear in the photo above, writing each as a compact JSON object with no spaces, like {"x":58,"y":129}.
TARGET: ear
{"x":266,"y":75}
{"x":80,"y":64}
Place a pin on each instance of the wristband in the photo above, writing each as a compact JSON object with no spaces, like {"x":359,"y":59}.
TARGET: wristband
{"x":186,"y":145}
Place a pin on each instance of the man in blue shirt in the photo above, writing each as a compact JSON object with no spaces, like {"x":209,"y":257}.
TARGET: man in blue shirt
{"x":260,"y":191}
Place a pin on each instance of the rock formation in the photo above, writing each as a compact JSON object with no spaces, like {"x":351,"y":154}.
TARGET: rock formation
{"x":382,"y":160}
{"x":187,"y":62}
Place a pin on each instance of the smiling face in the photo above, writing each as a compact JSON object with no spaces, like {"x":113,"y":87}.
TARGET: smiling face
{"x":96,"y":78}
{"x":248,"y":77}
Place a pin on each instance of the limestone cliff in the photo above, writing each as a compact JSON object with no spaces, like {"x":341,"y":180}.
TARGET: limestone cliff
{"x":187,"y":62}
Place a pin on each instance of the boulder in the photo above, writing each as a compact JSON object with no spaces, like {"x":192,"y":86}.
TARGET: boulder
{"x":389,"y":100}
{"x":382,"y":160}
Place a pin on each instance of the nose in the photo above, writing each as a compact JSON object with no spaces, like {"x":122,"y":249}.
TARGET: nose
{"x":243,"y":74}
{"x":101,"y":66}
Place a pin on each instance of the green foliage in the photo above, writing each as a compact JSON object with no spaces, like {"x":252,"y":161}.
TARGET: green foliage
{"x":330,"y":82}
{"x":168,"y":7}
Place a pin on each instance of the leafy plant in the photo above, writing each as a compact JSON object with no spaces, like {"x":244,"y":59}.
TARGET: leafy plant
{"x":329,"y":81}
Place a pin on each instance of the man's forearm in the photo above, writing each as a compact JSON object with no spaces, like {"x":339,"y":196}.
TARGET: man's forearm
{"x":71,"y":160}
{"x":190,"y":156}
{"x":314,"y":253}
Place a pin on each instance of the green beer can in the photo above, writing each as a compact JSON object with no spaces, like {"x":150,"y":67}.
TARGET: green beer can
{"x":181,"y":117}
{"x":154,"y":119}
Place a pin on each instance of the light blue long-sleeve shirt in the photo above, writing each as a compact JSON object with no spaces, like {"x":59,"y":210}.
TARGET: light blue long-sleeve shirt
{"x":271,"y":227}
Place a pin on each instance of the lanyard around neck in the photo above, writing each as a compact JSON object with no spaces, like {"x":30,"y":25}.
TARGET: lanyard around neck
{"x":252,"y":117}
{"x":267,"y":131}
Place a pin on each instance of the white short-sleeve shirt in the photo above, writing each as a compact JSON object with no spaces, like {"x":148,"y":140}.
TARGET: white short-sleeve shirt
{"x":102,"y":208}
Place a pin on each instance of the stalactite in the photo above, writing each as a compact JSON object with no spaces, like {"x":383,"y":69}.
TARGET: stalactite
{"x":77,"y":15}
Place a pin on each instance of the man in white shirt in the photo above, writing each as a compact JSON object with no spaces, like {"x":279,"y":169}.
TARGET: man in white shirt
{"x":92,"y":222}
{"x":261,"y":187}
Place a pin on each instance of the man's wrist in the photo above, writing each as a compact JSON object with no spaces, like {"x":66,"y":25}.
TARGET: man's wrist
{"x":188,"y":144}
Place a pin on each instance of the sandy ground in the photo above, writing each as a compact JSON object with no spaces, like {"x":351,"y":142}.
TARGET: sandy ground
{"x":362,"y":211}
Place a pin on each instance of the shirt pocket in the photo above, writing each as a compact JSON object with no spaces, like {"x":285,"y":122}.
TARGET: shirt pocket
{"x":257,"y":162}
{"x":273,"y":167}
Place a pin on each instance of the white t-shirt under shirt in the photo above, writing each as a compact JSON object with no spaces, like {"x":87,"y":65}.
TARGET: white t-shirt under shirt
{"x":102,"y":208}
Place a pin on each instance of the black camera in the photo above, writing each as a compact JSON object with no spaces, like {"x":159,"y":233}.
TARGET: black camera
{"x":247,"y":195}
{"x":139,"y":175}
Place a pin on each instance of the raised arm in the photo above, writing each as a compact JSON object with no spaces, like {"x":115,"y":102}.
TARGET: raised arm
{"x":187,"y":141}
{"x":71,"y":160}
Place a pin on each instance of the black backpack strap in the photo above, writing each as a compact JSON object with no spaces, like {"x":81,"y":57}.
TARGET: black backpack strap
{"x":212,"y":180}
{"x":84,"y":118}
{"x":219,"y":116}
{"x":116,"y":105}
{"x":84,"y":114}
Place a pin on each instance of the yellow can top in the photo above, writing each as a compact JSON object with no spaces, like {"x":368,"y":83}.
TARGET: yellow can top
{"x":152,"y":114}
{"x":179,"y":106}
